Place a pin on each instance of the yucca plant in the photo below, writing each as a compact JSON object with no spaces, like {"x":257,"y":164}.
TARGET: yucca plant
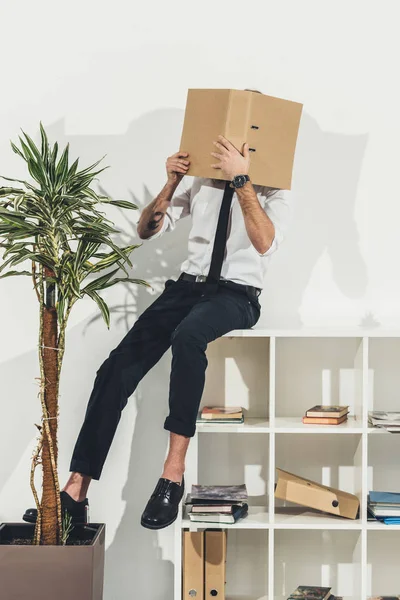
{"x":54,"y":224}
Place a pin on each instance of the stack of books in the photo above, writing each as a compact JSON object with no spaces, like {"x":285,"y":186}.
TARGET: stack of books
{"x":385,"y":598}
{"x":217,"y":503}
{"x":221,"y":414}
{"x":326,"y":415}
{"x":385,"y":507}
{"x":309,"y":592}
{"x":387,"y":420}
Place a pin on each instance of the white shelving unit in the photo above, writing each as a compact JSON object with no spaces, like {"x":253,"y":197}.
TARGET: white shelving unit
{"x":276,"y":376}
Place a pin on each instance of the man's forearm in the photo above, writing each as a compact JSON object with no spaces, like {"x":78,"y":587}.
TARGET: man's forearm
{"x":259,"y":226}
{"x":153,"y":214}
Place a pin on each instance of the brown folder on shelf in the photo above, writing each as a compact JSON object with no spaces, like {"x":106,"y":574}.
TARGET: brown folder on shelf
{"x":315,"y":495}
{"x":193,"y":565}
{"x":215,"y":563}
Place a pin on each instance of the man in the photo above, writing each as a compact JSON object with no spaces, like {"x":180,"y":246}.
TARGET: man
{"x":190,"y":313}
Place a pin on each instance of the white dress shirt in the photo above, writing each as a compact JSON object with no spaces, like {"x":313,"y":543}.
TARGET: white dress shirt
{"x":201,"y":198}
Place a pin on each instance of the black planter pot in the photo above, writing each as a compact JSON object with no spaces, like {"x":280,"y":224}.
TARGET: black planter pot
{"x":52,"y":572}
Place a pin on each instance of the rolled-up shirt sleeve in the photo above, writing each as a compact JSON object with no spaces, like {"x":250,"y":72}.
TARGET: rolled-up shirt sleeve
{"x":277,"y":206}
{"x":178,"y":208}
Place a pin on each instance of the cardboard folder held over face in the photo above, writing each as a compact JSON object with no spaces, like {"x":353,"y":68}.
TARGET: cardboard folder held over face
{"x":269,"y":125}
{"x":314,"y":495}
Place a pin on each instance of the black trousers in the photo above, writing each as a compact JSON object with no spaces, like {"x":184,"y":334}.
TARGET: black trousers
{"x":186,"y":317}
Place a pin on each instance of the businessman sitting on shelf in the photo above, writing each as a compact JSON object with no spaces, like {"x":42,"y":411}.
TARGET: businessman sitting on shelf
{"x":236,"y":226}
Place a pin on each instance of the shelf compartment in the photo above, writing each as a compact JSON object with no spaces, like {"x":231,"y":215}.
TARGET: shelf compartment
{"x":384,"y":374}
{"x":383,"y":463}
{"x":334,"y":461}
{"x":257,"y":518}
{"x":383,"y":559}
{"x":295,"y":425}
{"x":310,"y":371}
{"x":319,"y":558}
{"x":226,"y":459}
{"x":238,"y":374}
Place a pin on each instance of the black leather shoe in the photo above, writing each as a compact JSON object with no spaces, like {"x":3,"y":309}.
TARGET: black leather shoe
{"x":77,"y":510}
{"x":162,"y":508}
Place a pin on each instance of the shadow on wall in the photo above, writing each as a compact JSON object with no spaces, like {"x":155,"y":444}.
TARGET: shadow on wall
{"x":325,"y":180}
{"x":327,"y":171}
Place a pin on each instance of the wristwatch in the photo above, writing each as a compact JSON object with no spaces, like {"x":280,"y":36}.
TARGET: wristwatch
{"x":239,"y":181}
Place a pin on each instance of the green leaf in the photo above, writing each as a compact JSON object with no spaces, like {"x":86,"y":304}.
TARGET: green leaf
{"x":45,"y":144}
{"x":7,"y":191}
{"x":122,"y":204}
{"x":126,"y":280}
{"x":102,"y":306}
{"x":62,"y":166}
{"x":14,"y":273}
{"x":99,"y":283}
{"x":60,"y":308}
{"x":17,"y":150}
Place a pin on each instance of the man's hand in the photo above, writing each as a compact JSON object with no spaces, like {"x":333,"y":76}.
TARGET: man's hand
{"x":231,"y":161}
{"x":177,"y":166}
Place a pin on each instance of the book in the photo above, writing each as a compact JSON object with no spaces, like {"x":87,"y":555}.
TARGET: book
{"x":220,"y":493}
{"x":384,"y":497}
{"x":384,"y":512}
{"x":324,"y":420}
{"x":384,"y":598}
{"x":307,"y":592}
{"x":214,"y":502}
{"x":381,"y":415}
{"x":323,"y":410}
{"x":219,"y":421}
{"x":221,"y":412}
{"x":389,"y":420}
{"x":206,"y":517}
{"x":214,"y":508}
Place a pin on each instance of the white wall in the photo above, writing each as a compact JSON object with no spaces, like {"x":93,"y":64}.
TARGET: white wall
{"x":111,"y":78}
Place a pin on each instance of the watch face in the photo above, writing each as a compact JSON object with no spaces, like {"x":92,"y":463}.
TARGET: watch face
{"x":239,"y":180}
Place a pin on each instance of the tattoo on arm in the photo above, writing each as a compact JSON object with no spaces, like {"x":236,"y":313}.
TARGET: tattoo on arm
{"x":153,"y":224}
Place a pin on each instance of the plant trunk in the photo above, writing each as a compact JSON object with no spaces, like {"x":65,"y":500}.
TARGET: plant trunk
{"x":50,"y":533}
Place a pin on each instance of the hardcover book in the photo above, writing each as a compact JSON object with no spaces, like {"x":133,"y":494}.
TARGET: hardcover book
{"x":324,"y":420}
{"x":205,"y":517}
{"x":219,"y":492}
{"x":221,"y":412}
{"x":307,"y":592}
{"x":322,"y":410}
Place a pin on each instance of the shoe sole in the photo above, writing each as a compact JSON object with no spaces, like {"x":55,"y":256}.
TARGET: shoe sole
{"x":144,"y":524}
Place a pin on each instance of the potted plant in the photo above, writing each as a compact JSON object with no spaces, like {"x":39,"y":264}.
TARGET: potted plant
{"x":54,"y":224}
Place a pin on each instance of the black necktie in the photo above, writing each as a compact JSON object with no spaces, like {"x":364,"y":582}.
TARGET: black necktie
{"x":217,"y":256}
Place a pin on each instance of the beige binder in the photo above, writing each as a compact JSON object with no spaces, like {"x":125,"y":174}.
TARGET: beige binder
{"x":215,"y":563}
{"x":269,"y":125}
{"x":193,"y":565}
{"x":314,"y":495}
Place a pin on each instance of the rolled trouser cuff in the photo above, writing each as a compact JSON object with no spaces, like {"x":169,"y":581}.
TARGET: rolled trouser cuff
{"x":179,"y":427}
{"x":79,"y":466}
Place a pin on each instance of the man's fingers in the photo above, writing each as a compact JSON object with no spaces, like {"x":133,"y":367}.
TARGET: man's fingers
{"x":226,"y":143}
{"x":180,"y":155}
{"x":221,"y":147}
{"x":178,"y":167}
{"x":178,"y":164}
